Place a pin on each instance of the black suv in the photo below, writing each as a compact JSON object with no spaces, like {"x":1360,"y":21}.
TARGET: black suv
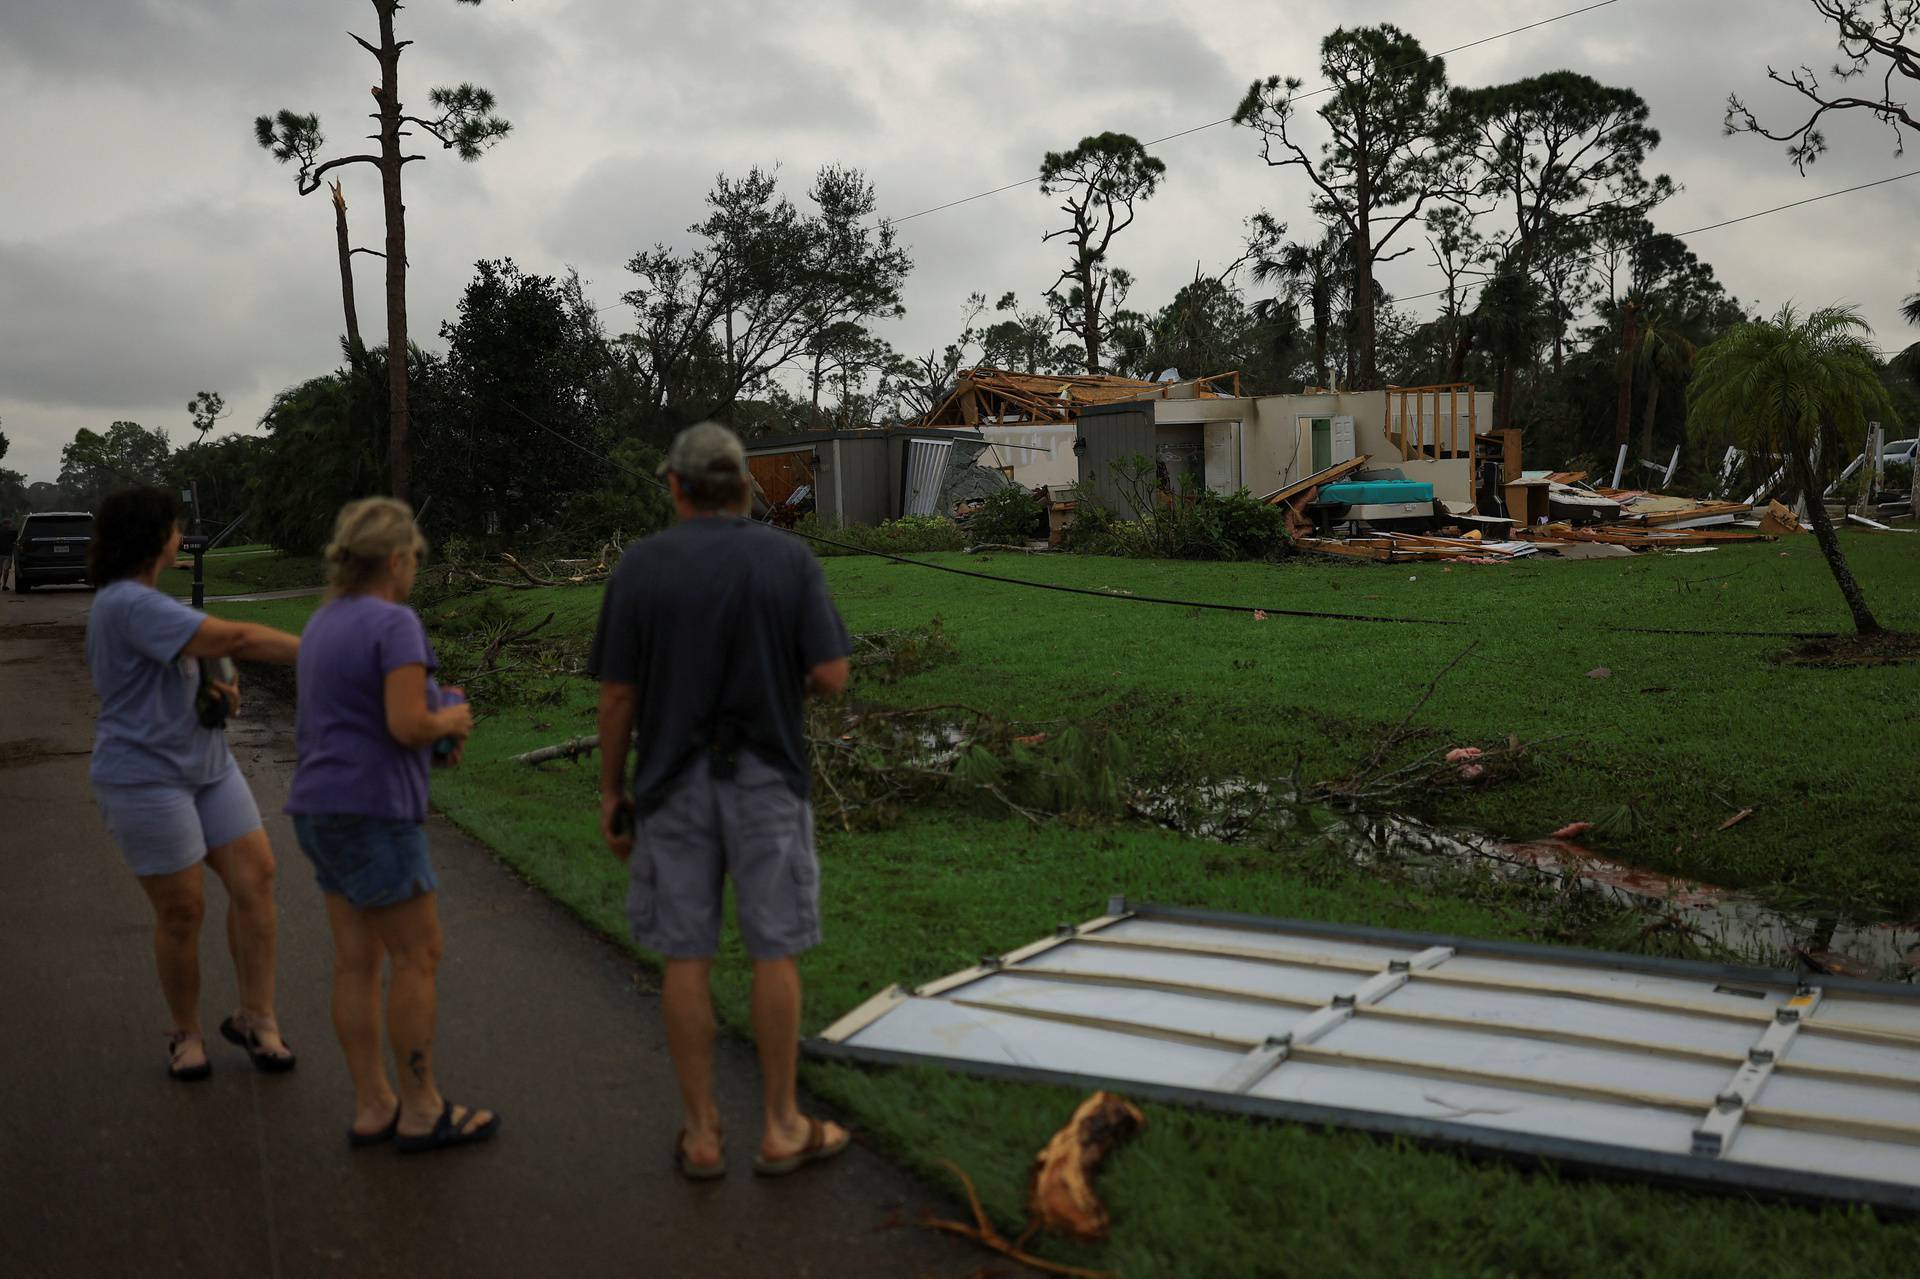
{"x":52,"y":548}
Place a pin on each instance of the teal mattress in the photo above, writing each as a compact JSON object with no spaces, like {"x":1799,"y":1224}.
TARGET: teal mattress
{"x":1377,"y":492}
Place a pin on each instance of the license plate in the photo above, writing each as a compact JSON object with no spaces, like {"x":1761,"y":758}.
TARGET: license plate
{"x":59,"y":550}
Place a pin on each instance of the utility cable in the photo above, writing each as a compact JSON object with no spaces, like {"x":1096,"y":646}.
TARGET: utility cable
{"x":1291,"y":97}
{"x":1206,"y":605}
{"x":1214,"y":124}
{"x":1008,"y":581}
{"x":1711,"y":226}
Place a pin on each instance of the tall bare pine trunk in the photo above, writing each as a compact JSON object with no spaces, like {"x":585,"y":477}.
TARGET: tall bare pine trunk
{"x":391,"y":160}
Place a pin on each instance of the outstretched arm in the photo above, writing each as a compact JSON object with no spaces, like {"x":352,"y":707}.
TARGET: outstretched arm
{"x":247,"y":641}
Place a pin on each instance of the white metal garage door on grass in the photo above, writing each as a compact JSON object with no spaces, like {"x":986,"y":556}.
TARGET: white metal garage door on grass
{"x":1673,"y":1070}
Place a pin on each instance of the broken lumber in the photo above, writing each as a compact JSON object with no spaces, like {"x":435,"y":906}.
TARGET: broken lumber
{"x":1060,"y":1196}
{"x":1318,"y":479}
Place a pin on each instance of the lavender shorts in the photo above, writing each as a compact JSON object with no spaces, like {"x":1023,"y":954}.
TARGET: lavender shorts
{"x":163,"y":829}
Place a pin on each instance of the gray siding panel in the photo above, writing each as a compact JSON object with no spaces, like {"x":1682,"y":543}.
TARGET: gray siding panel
{"x":864,"y":480}
{"x":1113,"y":432}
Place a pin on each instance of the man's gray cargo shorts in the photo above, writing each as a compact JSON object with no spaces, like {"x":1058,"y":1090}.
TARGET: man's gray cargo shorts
{"x":750,"y":827}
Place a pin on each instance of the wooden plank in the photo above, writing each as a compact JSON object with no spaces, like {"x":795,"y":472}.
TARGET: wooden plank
{"x":1286,"y":958}
{"x":1316,"y":480}
{"x":865,"y":1015}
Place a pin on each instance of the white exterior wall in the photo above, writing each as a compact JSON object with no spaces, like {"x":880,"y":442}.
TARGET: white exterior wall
{"x":1052,"y":463}
{"x":1276,"y":450}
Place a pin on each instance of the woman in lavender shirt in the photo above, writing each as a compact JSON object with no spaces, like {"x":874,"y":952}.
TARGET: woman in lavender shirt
{"x":169,"y":788}
{"x":368,"y":719}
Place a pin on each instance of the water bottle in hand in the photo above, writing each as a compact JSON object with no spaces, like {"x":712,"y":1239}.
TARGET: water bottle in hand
{"x":439,"y":698}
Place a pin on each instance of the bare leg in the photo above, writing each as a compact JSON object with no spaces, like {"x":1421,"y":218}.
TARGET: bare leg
{"x":776,"y":1033}
{"x":411,"y":934}
{"x":246,"y":866}
{"x":686,"y":1004}
{"x":357,"y":958}
{"x":178,"y":908}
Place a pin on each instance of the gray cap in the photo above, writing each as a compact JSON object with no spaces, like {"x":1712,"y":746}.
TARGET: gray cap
{"x":705,"y":448}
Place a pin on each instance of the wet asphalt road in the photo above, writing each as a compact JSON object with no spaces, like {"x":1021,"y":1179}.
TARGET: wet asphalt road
{"x":109,"y":1168}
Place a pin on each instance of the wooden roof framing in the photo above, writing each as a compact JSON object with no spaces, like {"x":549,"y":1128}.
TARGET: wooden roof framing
{"x":997,"y":396}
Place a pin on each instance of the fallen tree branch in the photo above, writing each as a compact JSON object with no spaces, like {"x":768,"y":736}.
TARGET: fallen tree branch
{"x":572,"y":749}
{"x":506,"y":637}
{"x":983,"y":1233}
{"x":526,"y":572}
{"x":1393,"y":739}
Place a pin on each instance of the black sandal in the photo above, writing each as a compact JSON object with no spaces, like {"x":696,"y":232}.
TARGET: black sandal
{"x":266,"y":1062}
{"x":359,"y":1139}
{"x":445,"y":1133}
{"x":190,"y":1074}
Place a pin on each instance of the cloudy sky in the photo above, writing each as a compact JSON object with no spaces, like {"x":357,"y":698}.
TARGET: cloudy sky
{"x":149,"y":249}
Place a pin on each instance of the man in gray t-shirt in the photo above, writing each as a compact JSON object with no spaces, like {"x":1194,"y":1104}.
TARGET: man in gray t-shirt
{"x":711,"y":635}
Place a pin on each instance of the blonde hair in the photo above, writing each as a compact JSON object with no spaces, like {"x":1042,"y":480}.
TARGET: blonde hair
{"x":366,"y":534}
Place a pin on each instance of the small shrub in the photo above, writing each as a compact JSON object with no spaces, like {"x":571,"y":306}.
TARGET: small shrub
{"x":1009,"y":516}
{"x":1205,"y":526}
{"x":1093,"y":529}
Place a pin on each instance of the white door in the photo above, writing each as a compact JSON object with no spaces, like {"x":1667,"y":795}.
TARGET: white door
{"x":1222,"y":444}
{"x":1342,"y":440}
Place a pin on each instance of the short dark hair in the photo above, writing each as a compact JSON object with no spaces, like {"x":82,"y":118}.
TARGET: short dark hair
{"x":130,"y":529}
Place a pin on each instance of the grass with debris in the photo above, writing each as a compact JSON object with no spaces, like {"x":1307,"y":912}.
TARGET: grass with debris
{"x":1680,"y":732}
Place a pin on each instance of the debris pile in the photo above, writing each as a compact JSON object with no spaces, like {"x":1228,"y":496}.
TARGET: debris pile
{"x":1542,"y":513}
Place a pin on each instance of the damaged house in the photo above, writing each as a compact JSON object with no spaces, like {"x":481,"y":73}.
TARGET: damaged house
{"x":870,"y":476}
{"x":1435,"y":440}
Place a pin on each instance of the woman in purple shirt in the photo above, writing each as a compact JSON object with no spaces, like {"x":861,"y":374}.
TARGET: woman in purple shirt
{"x":368,"y":720}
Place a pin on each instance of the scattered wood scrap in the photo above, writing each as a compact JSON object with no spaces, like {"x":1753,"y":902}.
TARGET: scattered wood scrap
{"x":1406,"y":548}
{"x":1646,"y":539}
{"x":1778,"y":521}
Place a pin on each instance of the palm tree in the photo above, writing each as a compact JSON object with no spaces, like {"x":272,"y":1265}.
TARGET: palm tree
{"x":1508,"y":323}
{"x":1316,"y":270}
{"x":1664,"y":349}
{"x":1783,"y":384}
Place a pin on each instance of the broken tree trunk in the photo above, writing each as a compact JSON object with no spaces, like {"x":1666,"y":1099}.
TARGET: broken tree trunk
{"x":1060,"y":1197}
{"x":572,"y":749}
{"x":346,"y":269}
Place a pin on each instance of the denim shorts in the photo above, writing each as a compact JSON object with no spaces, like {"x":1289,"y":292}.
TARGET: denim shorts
{"x":370,"y":861}
{"x":751,"y":828}
{"x":163,"y":829}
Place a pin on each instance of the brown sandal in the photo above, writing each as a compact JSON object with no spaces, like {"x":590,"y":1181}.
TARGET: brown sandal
{"x":816,"y":1149}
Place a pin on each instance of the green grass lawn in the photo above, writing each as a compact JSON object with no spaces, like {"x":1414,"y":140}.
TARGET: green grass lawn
{"x":247,"y":570}
{"x":1684,"y":728}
